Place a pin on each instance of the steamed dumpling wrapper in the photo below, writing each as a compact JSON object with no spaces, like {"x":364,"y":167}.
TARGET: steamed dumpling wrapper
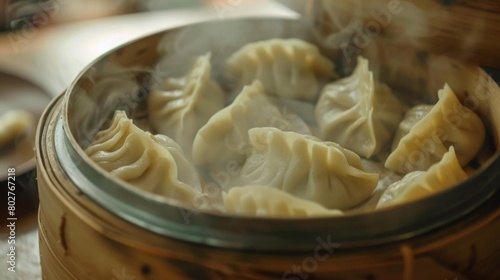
{"x":289,"y":68}
{"x":418,"y":184}
{"x":152,"y":163}
{"x":306,"y":167}
{"x":179,"y":107}
{"x":359,"y":113}
{"x":412,"y":116}
{"x":225,"y":136}
{"x":267,"y":202}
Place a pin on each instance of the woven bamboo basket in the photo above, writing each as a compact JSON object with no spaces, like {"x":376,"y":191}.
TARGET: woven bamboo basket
{"x":92,"y":227}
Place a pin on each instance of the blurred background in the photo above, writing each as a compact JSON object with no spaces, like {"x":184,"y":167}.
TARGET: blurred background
{"x":49,"y":41}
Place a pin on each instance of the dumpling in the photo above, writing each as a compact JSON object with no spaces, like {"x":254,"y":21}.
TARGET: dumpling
{"x":289,"y":68}
{"x":448,"y":123}
{"x":418,"y":184}
{"x":179,"y":107}
{"x":262,"y":201}
{"x":225,"y":136}
{"x":359,"y":113}
{"x":153,"y":163}
{"x":14,"y":124}
{"x":412,"y":116}
{"x":105,"y":88}
{"x":306,"y":167}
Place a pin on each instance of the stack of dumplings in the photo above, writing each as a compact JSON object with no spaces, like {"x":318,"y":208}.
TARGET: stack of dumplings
{"x":288,"y":68}
{"x":276,"y":164}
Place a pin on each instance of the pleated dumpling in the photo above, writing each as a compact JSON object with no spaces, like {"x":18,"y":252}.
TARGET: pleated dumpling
{"x":153,"y":163}
{"x":412,"y":116}
{"x":419,"y":184}
{"x":263,"y":201}
{"x":306,"y":167}
{"x":179,"y":107}
{"x":290,"y":68}
{"x":225,"y":136}
{"x":104,"y":89}
{"x":359,"y":113}
{"x":448,"y":123}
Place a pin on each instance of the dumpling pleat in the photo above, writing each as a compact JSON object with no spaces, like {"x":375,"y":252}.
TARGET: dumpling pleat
{"x":267,"y":202}
{"x":145,"y":161}
{"x":306,"y":167}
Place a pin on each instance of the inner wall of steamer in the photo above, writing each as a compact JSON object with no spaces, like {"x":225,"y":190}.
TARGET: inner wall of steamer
{"x":122,"y":79}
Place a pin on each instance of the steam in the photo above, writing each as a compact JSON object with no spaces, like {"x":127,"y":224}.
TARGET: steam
{"x":398,"y":37}
{"x":400,"y":21}
{"x":105,"y":88}
{"x":180,"y":47}
{"x":350,"y":28}
{"x":356,"y":25}
{"x":374,"y":29}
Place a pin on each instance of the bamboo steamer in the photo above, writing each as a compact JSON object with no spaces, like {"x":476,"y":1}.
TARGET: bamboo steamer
{"x":466,"y":30}
{"x":94,"y":227}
